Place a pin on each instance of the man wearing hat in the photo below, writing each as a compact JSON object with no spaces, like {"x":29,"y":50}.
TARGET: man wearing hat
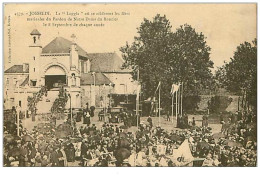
{"x":86,"y":115}
{"x":54,"y":156}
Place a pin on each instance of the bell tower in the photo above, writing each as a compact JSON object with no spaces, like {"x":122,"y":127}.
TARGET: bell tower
{"x":35,"y":52}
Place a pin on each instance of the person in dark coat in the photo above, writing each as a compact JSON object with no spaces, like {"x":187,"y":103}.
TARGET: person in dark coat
{"x":168,"y":116}
{"x":182,"y":122}
{"x":186,"y":120}
{"x":204,"y":121}
{"x":84,"y":149}
{"x":178,"y":121}
{"x":221,"y":118}
{"x":55,"y":157}
{"x":92,"y":111}
{"x":62,"y":157}
{"x":23,"y":157}
{"x":150,"y":121}
{"x":86,"y":115}
{"x":193,"y":121}
{"x":70,"y":152}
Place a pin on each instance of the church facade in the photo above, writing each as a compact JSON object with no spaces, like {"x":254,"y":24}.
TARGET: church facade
{"x":87,"y":77}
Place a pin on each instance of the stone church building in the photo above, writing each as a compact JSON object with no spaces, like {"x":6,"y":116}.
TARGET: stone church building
{"x":87,"y":77}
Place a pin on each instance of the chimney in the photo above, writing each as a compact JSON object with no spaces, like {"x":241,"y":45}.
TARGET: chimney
{"x":74,"y":57}
{"x":73,"y":38}
{"x":25,"y":67}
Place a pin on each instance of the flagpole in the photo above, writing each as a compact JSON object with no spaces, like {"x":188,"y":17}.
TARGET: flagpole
{"x":159,"y":104}
{"x":178,"y":107}
{"x":181,"y":96}
{"x":172,"y":105}
{"x":176,"y":104}
{"x":137,"y":100}
{"x":105,"y":99}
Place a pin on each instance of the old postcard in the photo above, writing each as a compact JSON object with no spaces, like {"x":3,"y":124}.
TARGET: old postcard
{"x":130,"y":85}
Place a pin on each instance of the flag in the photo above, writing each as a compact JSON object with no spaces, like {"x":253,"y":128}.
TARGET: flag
{"x":161,"y":149}
{"x":174,"y":88}
{"x":159,"y":84}
{"x":182,"y":155}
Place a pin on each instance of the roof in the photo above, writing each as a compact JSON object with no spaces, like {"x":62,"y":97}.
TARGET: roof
{"x":100,"y":79}
{"x":62,"y":45}
{"x":106,"y":62}
{"x":25,"y":82}
{"x":35,"y":32}
{"x":17,"y":69}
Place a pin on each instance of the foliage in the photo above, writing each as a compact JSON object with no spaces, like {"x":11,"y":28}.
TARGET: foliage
{"x":170,"y":57}
{"x":219,"y":104}
{"x":60,"y":103}
{"x":32,"y":101}
{"x":190,"y":105}
{"x":240,"y":74}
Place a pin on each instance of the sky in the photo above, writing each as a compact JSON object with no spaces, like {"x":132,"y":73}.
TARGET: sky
{"x":224,"y":25}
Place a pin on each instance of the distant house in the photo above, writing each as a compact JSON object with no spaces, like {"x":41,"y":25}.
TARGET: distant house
{"x":88,"y":77}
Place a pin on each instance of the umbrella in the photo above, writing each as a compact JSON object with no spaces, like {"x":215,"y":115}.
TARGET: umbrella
{"x":47,"y":138}
{"x":75,"y":140}
{"x":123,"y":127}
{"x":8,"y":138}
{"x":145,"y":132}
{"x":96,"y":138}
{"x":15,"y":152}
{"x":61,"y":134}
{"x":122,"y":154}
{"x":232,"y":143}
{"x":122,"y":134}
{"x":175,"y":138}
{"x":123,"y":143}
{"x":218,"y":135}
{"x":27,"y":138}
{"x":204,"y":144}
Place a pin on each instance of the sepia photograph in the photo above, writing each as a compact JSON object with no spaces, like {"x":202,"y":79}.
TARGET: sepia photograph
{"x":130,"y":85}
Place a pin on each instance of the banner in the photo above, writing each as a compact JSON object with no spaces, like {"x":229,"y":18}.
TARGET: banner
{"x":174,"y":88}
{"x":183,"y":155}
{"x":159,"y":84}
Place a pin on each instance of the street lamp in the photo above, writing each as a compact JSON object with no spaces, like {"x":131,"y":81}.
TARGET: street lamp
{"x":94,"y":81}
{"x":18,"y":120}
{"x":70,"y":109}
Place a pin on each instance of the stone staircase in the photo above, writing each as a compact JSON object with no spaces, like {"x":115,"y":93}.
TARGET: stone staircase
{"x":45,"y":104}
{"x":233,"y":106}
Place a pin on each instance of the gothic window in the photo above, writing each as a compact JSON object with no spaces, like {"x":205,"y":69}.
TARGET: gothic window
{"x":33,"y":82}
{"x":73,"y":80}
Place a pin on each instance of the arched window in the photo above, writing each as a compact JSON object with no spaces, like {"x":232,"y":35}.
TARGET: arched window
{"x":73,"y":80}
{"x":34,"y":39}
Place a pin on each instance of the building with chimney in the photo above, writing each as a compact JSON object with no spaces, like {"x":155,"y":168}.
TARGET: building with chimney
{"x":88,"y":77}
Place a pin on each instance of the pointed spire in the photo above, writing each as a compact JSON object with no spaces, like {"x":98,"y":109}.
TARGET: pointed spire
{"x":35,"y":32}
{"x":73,"y":37}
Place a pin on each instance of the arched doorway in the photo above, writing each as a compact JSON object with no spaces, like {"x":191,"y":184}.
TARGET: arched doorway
{"x":55,"y":76}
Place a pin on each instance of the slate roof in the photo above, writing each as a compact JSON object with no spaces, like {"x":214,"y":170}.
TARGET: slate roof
{"x":106,"y":62}
{"x":100,"y":79}
{"x":26,"y":81}
{"x":17,"y":69}
{"x":35,"y":32}
{"x":62,"y":45}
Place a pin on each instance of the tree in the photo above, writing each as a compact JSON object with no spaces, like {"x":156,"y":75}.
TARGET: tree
{"x":60,"y":103}
{"x":239,"y":76}
{"x":161,"y":55}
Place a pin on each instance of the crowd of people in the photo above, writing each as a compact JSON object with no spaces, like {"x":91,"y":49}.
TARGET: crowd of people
{"x":113,"y":145}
